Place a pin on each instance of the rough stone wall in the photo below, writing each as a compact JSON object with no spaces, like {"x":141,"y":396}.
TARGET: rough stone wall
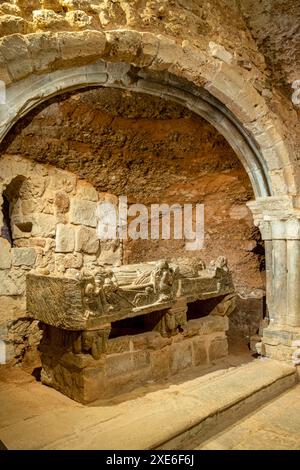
{"x":274,"y":24}
{"x":152,"y":151}
{"x":52,"y":218}
{"x":208,"y":43}
{"x":181,"y":19}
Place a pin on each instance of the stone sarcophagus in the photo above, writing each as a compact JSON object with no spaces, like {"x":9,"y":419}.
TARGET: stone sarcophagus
{"x":110,"y":330}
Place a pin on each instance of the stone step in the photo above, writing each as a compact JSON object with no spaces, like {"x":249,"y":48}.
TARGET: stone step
{"x":274,"y":426}
{"x":233,"y":397}
{"x":166,"y":419}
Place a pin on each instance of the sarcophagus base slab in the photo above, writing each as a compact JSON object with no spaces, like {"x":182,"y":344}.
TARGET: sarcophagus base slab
{"x":131,"y":360}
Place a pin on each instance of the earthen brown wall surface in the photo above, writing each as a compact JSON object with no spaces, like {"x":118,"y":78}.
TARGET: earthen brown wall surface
{"x":152,"y":151}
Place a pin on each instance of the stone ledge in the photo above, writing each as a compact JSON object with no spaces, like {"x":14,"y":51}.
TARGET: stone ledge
{"x":150,"y":421}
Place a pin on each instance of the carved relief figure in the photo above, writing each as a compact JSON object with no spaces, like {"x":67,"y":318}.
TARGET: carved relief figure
{"x":91,"y":342}
{"x":144,"y":298}
{"x":163,"y":277}
{"x":221,"y":263}
{"x":189,"y":267}
{"x":90,"y":298}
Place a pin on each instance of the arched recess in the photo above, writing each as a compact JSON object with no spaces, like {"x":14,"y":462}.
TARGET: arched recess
{"x":13,"y":224}
{"x":25,"y":95}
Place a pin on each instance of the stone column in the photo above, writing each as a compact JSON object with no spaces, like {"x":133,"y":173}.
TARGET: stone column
{"x":279,"y":223}
{"x":278,"y":286}
{"x":293,"y":282}
{"x":293,"y":272}
{"x":269,"y":275}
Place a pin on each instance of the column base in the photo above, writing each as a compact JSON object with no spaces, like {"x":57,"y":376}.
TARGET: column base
{"x":282,"y":342}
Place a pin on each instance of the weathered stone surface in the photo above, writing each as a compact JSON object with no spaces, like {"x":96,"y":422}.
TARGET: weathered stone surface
{"x":71,"y":45}
{"x":65,"y":238}
{"x":111,"y":252}
{"x":105,"y":295}
{"x":206,"y":325}
{"x":43,"y":225}
{"x":55,"y":5}
{"x":16,"y":55}
{"x":23,"y":256}
{"x":151,"y":339}
{"x":11,"y":308}
{"x":123,"y":44}
{"x":149,"y":46}
{"x":126,"y":382}
{"x":5,"y":254}
{"x":86,"y":240}
{"x":4,"y":73}
{"x":92,"y":384}
{"x":10,"y":9}
{"x":10,"y":24}
{"x":118,"y":364}
{"x":79,"y":19}
{"x":33,"y":187}
{"x":12,"y":283}
{"x":247,"y":316}
{"x":199,"y":351}
{"x":84,"y":5}
{"x":226,"y":307}
{"x":140,"y":359}
{"x":90,"y":261}
{"x":48,"y":20}
{"x":212,"y":324}
{"x":181,"y":356}
{"x":83,"y":212}
{"x":85,"y":190}
{"x":44,"y":49}
{"x":62,"y":181}
{"x":72,"y":273}
{"x":160,"y":363}
{"x":218,"y":51}
{"x":167,"y":55}
{"x":62,"y":202}
{"x":218,"y":348}
{"x":73,"y":260}
{"x":118,"y":345}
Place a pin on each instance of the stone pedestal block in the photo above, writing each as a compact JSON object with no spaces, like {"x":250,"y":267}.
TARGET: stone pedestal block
{"x":80,"y":366}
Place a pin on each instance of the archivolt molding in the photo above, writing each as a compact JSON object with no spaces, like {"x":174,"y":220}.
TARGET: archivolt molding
{"x":39,"y":66}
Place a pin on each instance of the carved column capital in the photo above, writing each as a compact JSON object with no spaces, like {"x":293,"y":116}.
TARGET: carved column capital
{"x":278,"y":218}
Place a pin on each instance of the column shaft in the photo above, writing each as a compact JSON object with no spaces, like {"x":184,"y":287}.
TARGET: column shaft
{"x":279,"y":293}
{"x":293,"y":283}
{"x":269,"y":276}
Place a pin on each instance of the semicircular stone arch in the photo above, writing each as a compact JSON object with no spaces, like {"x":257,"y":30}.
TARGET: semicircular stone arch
{"x":168,"y":87}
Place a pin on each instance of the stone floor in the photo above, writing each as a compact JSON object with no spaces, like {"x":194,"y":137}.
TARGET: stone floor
{"x":274,"y":426}
{"x":33,"y":416}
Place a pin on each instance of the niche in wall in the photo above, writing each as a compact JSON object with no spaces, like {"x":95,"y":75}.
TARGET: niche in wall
{"x":13,"y":224}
